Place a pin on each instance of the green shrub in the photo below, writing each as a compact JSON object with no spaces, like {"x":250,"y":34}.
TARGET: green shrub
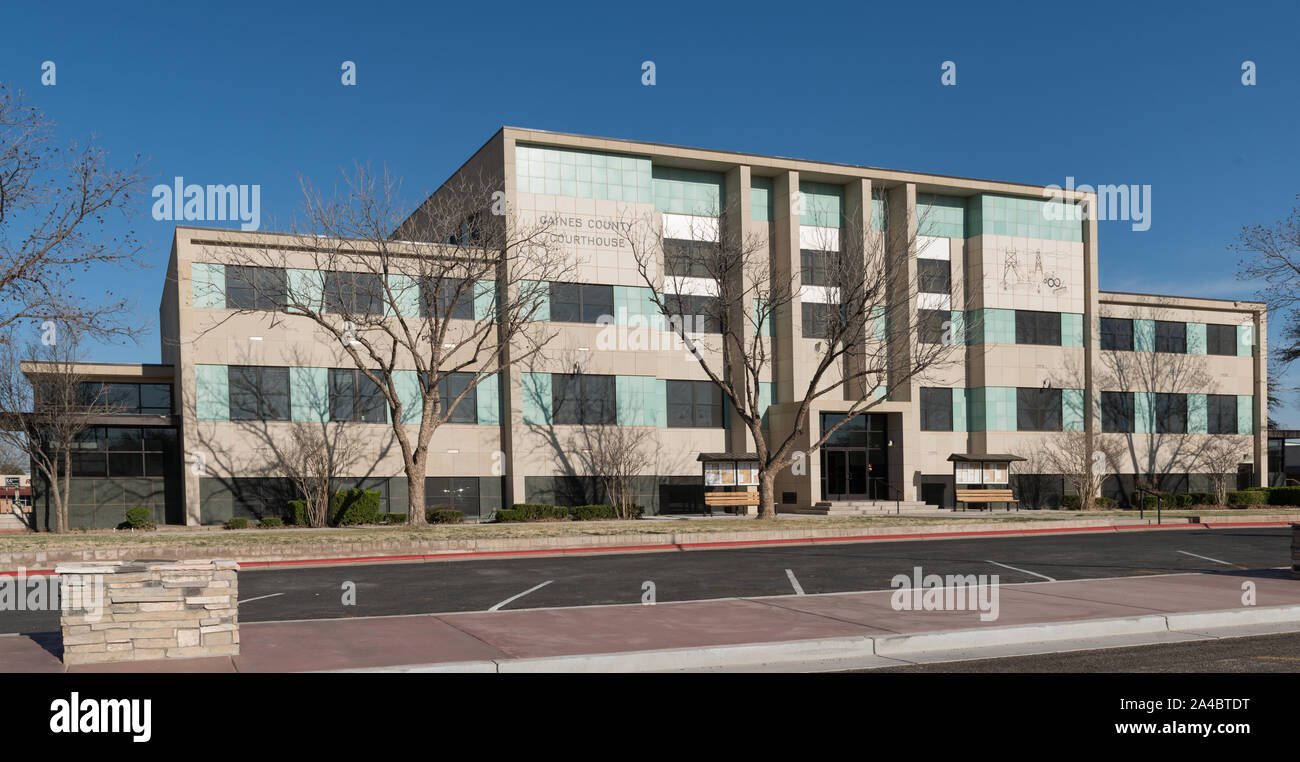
{"x":1184,"y":500}
{"x":298,"y":513}
{"x":350,"y":507}
{"x":271,"y":522}
{"x":394,"y":518}
{"x":539,"y":512}
{"x":1202,"y":498}
{"x":1105,"y":502}
{"x":238,"y":522}
{"x":139,"y":517}
{"x":1284,"y":495}
{"x":1070,"y":503}
{"x":1247,"y":497}
{"x":443,"y":516}
{"x":592,"y":512}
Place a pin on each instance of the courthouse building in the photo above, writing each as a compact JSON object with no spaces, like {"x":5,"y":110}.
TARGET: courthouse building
{"x":994,"y":256}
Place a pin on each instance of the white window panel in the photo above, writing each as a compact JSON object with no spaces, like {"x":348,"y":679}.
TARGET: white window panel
{"x":819,"y":294}
{"x":690,"y":286}
{"x":933,"y":301}
{"x":814,"y":237}
{"x":689,"y":227}
{"x":932,"y":247}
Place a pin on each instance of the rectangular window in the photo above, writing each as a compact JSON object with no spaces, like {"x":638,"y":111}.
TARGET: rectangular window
{"x":258,"y":393}
{"x":698,"y":313}
{"x":1171,"y":413}
{"x":1221,"y":339}
{"x":450,"y":387}
{"x":447,"y":298}
{"x":354,"y":397}
{"x":1038,"y":409}
{"x":1171,"y":337}
{"x":934,"y":276}
{"x":1117,"y":412}
{"x":255,"y":288}
{"x":688,"y":259}
{"x":118,"y":398}
{"x":1117,"y":334}
{"x":694,"y":404}
{"x":353,"y":293}
{"x":936,"y":409}
{"x":930,"y":325}
{"x":819,"y":320}
{"x":1033,"y":327}
{"x":1221,"y":411}
{"x":580,"y":302}
{"x":583,"y":399}
{"x":819,"y":268}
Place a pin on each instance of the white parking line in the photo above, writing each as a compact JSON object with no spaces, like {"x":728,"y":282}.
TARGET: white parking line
{"x":260,"y":597}
{"x":794,"y":582}
{"x":521,"y":595}
{"x":1207,"y":558}
{"x":1023,"y":571}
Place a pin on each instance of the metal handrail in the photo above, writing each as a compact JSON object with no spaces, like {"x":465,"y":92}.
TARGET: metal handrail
{"x":1142,"y":503}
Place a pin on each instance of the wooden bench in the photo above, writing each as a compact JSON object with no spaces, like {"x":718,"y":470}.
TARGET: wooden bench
{"x":729,"y":500}
{"x":985,"y":496}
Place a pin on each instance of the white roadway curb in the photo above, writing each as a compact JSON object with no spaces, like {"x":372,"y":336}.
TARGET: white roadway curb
{"x":866,"y":648}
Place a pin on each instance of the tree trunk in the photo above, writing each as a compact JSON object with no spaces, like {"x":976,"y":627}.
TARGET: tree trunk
{"x":766,"y":495}
{"x":415,"y":494}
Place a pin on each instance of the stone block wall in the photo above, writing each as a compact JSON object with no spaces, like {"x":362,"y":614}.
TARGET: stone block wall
{"x":143,"y":610}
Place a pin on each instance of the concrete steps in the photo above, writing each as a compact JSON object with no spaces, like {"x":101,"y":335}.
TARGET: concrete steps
{"x":867,"y":507}
{"x":11,"y":521}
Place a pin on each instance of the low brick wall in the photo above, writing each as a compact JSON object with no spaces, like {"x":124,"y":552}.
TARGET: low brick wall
{"x":142,"y":610}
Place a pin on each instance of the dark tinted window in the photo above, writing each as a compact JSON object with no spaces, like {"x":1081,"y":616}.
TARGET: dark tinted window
{"x":1171,"y":413}
{"x":698,"y":313}
{"x":452,"y":386}
{"x":447,"y":298}
{"x":1117,"y":412}
{"x":1117,"y":334}
{"x":1038,"y":409}
{"x":694,"y":404}
{"x":1221,"y":412}
{"x":930,"y":325}
{"x":687,"y":259}
{"x":353,"y":293}
{"x":255,"y":288}
{"x":354,"y":397}
{"x":936,"y":409}
{"x":1034,"y":327}
{"x":1171,"y":337}
{"x":934,"y":276}
{"x":1221,"y":339}
{"x":583,"y":399}
{"x":818,"y":268}
{"x":258,"y":393}
{"x":580,"y":303}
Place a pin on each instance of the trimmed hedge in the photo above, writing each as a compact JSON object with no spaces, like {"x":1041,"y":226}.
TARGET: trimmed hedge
{"x":1284,"y":495}
{"x":593,"y":512}
{"x":443,"y":516}
{"x":271,"y":522}
{"x":1248,"y":497}
{"x":350,"y":507}
{"x":533,"y":512}
{"x":238,"y":522}
{"x":298,"y":513}
{"x":139,"y":517}
{"x":394,"y":518}
{"x":1073,"y":503}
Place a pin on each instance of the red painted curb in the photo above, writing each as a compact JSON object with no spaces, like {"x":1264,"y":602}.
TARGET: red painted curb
{"x":705,"y":545}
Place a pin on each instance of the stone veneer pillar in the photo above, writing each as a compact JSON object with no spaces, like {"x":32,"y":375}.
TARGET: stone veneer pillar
{"x":143,"y":610}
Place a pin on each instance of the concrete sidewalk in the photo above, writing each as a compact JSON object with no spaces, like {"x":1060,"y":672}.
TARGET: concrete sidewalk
{"x":742,"y":633}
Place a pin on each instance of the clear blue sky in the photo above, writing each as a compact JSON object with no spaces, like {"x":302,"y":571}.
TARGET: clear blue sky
{"x":249,"y":93}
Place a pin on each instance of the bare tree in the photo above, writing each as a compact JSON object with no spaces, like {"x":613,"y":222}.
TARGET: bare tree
{"x":54,"y":206}
{"x":458,"y":295}
{"x":866,"y":280}
{"x":616,"y":456}
{"x":1160,"y":380}
{"x":47,"y":414}
{"x":1219,"y":455}
{"x":1271,"y":254}
{"x":313,"y":456}
{"x":1084,"y":459}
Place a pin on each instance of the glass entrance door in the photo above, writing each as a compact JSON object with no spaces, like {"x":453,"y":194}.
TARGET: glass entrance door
{"x":855,"y":464}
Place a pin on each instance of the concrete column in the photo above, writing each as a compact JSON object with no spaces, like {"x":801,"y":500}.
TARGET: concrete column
{"x":737,"y":232}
